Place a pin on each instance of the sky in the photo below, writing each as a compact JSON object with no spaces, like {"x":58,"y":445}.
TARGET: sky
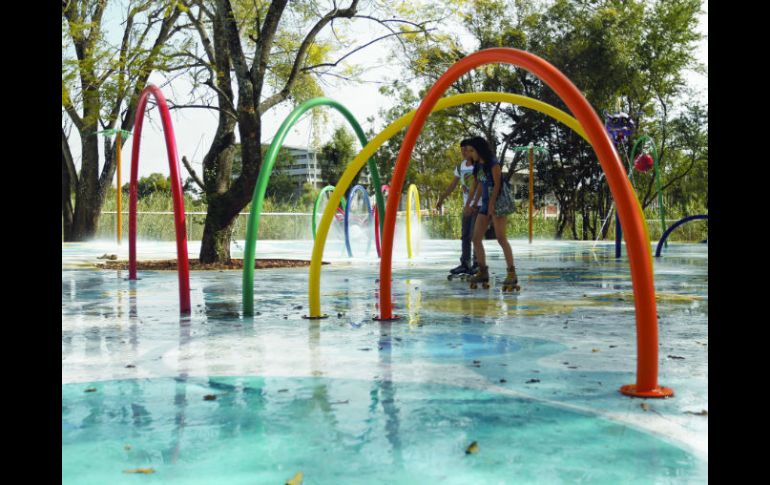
{"x":194,"y":128}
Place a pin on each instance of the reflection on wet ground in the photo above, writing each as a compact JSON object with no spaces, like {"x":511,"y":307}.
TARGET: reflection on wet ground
{"x":532,"y":377}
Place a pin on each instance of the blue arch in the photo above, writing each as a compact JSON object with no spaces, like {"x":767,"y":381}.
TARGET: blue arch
{"x":674,"y":226}
{"x":347,"y":217}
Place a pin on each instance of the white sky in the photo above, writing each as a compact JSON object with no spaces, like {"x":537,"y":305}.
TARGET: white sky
{"x":194,"y":128}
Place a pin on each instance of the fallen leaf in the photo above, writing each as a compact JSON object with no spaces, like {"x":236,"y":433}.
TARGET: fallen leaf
{"x":140,"y":470}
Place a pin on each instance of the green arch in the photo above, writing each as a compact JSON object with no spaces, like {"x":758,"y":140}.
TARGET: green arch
{"x":264,"y":176}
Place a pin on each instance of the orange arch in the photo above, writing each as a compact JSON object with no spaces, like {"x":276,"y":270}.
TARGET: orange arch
{"x":637,"y":242}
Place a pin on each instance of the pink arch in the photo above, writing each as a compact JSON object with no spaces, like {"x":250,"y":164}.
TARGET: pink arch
{"x":183,"y":265}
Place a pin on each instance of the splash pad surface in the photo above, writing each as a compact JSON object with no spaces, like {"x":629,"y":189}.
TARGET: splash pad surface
{"x":532,"y":378}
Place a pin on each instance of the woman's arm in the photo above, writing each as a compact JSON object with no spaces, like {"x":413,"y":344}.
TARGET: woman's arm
{"x":497,"y":176}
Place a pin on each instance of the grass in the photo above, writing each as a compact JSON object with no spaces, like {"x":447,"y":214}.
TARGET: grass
{"x":448,"y":226}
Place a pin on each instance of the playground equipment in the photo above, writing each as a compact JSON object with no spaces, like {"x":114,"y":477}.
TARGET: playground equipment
{"x":413,"y":196}
{"x":264,"y":176}
{"x":318,"y":199}
{"x":642,"y":163}
{"x":628,"y":208}
{"x":530,"y":149}
{"x":620,"y":126}
{"x":183,"y":265}
{"x":378,"y":221}
{"x":314,"y":288}
{"x":360,"y":189}
{"x":678,"y":223}
{"x":118,"y":193}
{"x":645,"y":141}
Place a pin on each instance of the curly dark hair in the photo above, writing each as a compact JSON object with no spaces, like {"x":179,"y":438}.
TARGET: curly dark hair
{"x":482,"y":147}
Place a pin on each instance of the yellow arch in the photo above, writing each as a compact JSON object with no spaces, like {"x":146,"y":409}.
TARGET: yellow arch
{"x":314,"y":285}
{"x":413,"y":195}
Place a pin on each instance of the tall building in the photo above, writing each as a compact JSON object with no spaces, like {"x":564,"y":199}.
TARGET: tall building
{"x":305,"y":167}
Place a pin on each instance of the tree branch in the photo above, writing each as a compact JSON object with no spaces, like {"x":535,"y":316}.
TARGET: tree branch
{"x":71,"y":111}
{"x":266,"y":36}
{"x":172,"y":106}
{"x":192,"y":173}
{"x":334,"y":64}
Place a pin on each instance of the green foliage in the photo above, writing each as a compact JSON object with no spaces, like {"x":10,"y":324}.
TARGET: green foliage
{"x":337,"y":154}
{"x":308,"y":196}
{"x":628,"y":55}
{"x":150,"y":184}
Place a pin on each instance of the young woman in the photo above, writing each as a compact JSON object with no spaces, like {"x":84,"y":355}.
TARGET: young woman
{"x":487,"y":185}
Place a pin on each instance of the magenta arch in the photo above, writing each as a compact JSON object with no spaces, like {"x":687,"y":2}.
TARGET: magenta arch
{"x":182,"y":262}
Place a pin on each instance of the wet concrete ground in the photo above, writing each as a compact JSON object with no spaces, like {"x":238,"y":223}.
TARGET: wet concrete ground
{"x":558,"y":350}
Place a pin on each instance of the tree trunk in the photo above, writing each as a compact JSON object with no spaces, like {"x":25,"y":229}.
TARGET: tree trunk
{"x":68,"y":186}
{"x":88,"y":202}
{"x":66,"y":203}
{"x":218,"y":229}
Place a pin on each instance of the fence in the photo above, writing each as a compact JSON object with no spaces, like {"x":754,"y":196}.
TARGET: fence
{"x":158,"y":225}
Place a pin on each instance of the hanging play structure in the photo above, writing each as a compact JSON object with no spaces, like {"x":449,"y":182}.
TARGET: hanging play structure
{"x":621,"y":128}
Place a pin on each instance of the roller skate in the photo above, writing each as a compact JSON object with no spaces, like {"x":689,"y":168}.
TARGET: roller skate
{"x":462,"y":272}
{"x":511,"y":282}
{"x":481,"y":277}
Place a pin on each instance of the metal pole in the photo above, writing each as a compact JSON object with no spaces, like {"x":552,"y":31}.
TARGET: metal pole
{"x":119,"y":195}
{"x":531,"y":188}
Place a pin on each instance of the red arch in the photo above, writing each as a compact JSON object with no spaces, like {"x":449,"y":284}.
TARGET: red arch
{"x":637,"y":242}
{"x":183,"y":265}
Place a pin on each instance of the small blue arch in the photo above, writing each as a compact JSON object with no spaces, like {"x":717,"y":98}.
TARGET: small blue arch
{"x":674,"y":226}
{"x":347,"y":216}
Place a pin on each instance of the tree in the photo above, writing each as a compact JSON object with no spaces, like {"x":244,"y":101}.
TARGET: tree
{"x":336,"y":155}
{"x":151,"y":184}
{"x":275,"y":53}
{"x":437,"y":151}
{"x":101,"y":84}
{"x":627,"y":55}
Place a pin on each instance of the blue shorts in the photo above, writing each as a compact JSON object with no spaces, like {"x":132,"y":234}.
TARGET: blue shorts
{"x":484,"y":208}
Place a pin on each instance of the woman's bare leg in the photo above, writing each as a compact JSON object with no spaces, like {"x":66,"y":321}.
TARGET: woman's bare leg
{"x":482,"y":222}
{"x":499,"y":223}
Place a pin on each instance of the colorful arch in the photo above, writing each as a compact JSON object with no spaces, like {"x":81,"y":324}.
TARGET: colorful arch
{"x":182,"y":262}
{"x":314,"y":283}
{"x":640,"y":257}
{"x":413,"y":195}
{"x":377,"y":221}
{"x":668,"y":231}
{"x":357,"y":188}
{"x":264,"y":176}
{"x":317,"y":203}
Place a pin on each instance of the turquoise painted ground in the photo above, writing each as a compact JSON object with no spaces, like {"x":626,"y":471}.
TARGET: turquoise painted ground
{"x":533,"y":377}
{"x":264,"y":430}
